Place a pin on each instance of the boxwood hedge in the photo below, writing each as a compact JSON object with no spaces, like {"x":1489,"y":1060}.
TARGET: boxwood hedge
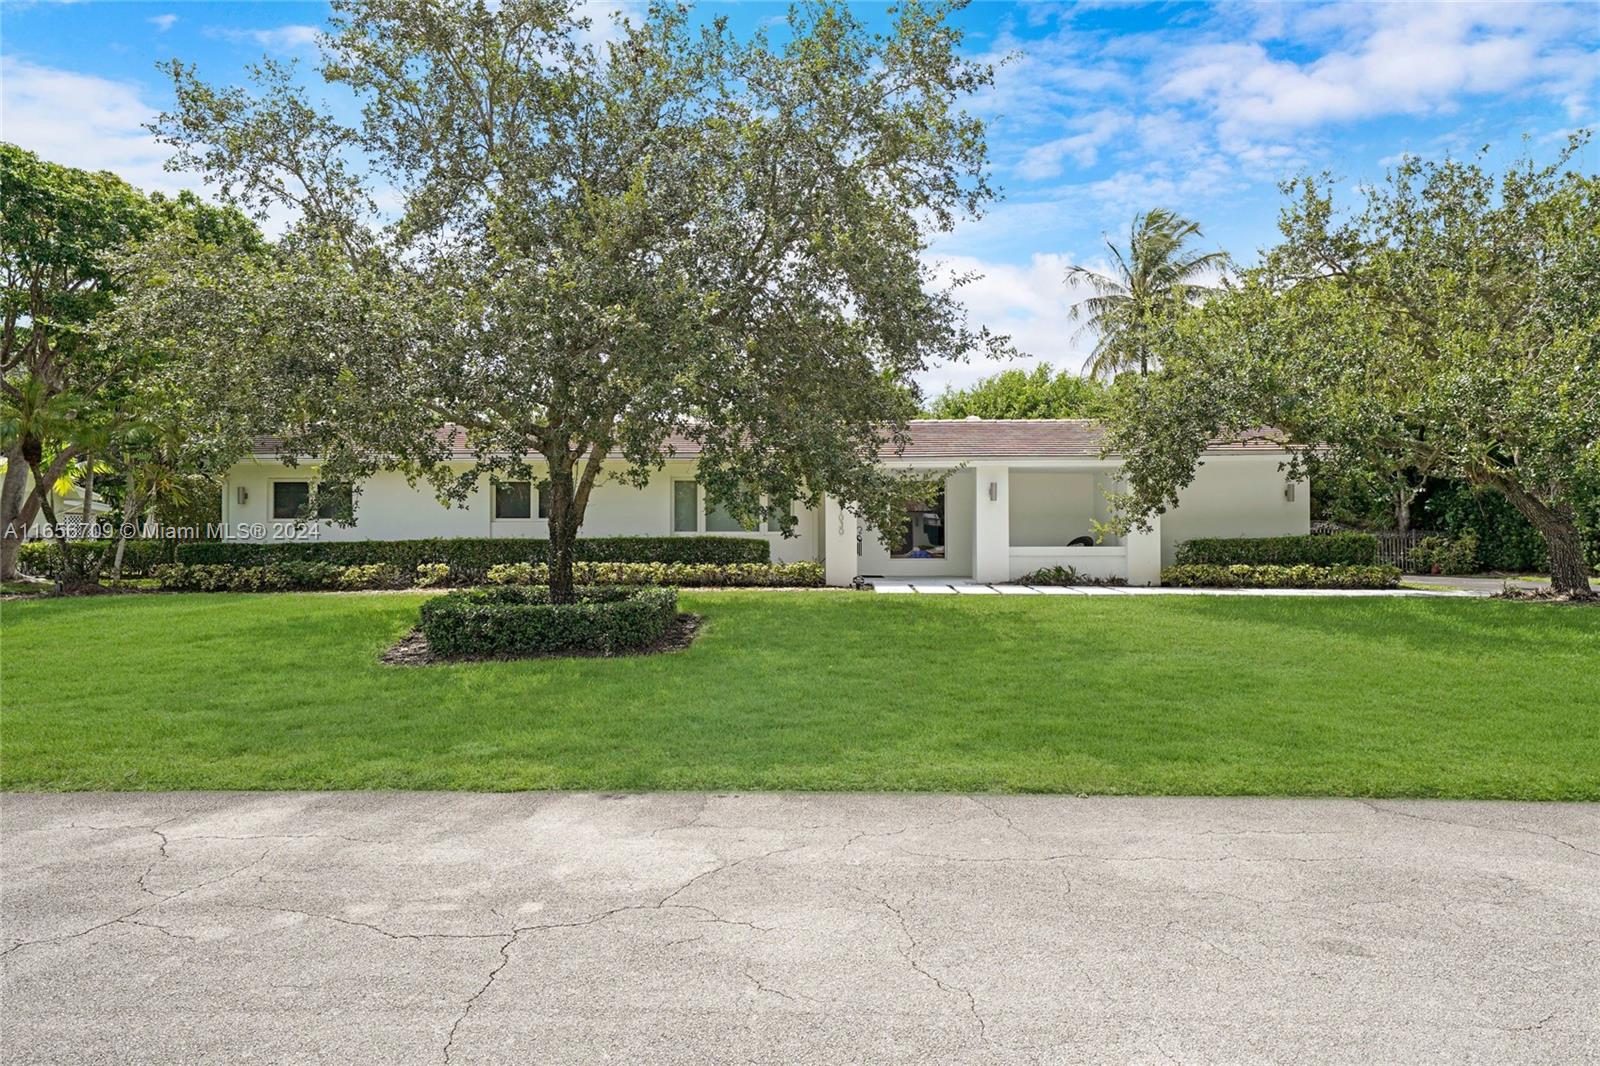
{"x":1206,"y":575}
{"x":43,"y":558}
{"x":521,"y":620}
{"x":700,"y":575}
{"x":470,"y":558}
{"x":1331,"y":549}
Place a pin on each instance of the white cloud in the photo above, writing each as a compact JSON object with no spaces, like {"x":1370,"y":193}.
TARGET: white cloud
{"x":1082,"y":147}
{"x":293,"y":38}
{"x":163,"y":23}
{"x":84,"y":121}
{"x":1387,"y":59}
{"x":1031,"y":303}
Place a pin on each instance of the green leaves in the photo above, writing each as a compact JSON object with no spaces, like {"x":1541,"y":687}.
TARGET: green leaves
{"x":1447,"y":326}
{"x":593,"y":249}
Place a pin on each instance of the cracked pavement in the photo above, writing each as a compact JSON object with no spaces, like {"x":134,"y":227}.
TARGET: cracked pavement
{"x":684,"y":928}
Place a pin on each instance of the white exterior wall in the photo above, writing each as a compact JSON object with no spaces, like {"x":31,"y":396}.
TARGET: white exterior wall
{"x":389,"y":509}
{"x":1236,"y":496}
{"x":1051,"y":507}
{"x":1040,"y":507}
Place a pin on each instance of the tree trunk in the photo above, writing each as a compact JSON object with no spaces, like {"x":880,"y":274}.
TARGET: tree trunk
{"x":133,"y":502}
{"x":564,"y":523}
{"x":12,"y":525}
{"x":88,"y":491}
{"x":1402,"y":508}
{"x":1569,"y":571}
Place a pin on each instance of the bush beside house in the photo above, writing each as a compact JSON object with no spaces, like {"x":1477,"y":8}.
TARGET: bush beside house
{"x":314,"y":576}
{"x":1335,"y":549}
{"x":470,"y":558}
{"x":1298,"y":576}
{"x":516,"y":620}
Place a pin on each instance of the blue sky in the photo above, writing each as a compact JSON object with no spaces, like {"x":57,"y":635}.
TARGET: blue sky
{"x":1099,"y":110}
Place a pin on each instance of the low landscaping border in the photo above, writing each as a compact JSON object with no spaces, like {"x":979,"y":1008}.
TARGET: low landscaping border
{"x":1312,"y":549}
{"x":521,"y":620}
{"x":1281,"y":577}
{"x":319,"y":576}
{"x":470,"y":558}
{"x":698,"y":575}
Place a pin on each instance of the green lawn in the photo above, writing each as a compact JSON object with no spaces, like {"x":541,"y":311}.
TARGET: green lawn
{"x":820,"y":690}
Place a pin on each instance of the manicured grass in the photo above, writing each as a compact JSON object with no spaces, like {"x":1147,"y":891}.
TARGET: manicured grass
{"x":820,"y":690}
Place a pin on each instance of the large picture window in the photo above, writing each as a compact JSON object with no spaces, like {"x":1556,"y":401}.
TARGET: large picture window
{"x":923,"y":535}
{"x":291,"y":498}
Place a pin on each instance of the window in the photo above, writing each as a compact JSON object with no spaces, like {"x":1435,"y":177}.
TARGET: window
{"x":923,"y":534}
{"x":291,"y":498}
{"x":778,"y":511}
{"x":720,"y":520}
{"x":685,"y":507}
{"x":513,"y":499}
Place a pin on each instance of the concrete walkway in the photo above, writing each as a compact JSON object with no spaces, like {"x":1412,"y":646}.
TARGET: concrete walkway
{"x":558,"y":928}
{"x":964,"y":587}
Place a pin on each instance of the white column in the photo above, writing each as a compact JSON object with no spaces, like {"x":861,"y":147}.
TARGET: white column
{"x":991,"y":527}
{"x":840,"y":559}
{"x":1144,"y":554}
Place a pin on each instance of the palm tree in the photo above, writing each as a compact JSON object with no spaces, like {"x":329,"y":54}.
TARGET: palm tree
{"x":1157,"y":276}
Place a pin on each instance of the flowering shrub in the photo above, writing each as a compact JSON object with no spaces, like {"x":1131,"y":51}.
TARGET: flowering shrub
{"x":704,"y":575}
{"x":1281,"y":577}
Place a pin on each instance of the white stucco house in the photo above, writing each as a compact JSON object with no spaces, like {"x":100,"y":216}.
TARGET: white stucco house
{"x":1020,"y":495}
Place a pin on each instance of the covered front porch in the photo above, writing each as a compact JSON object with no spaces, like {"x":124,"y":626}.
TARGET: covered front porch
{"x":996,"y":523}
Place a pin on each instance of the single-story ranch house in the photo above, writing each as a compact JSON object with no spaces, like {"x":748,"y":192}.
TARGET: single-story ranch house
{"x":1021,"y":495}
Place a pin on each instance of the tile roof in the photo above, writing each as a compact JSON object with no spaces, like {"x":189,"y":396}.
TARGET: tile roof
{"x":949,"y":439}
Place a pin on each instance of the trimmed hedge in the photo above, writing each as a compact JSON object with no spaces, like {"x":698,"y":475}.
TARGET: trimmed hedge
{"x":470,"y":558}
{"x":512,"y":620}
{"x":1205,"y":575}
{"x":702,"y":575}
{"x":292,"y":576}
{"x":42,"y":558}
{"x":280,"y":577}
{"x":1333,"y":549}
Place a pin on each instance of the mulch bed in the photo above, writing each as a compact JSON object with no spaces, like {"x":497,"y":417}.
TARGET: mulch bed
{"x":412,"y":649}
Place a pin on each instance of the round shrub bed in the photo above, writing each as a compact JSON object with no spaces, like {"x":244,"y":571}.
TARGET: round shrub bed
{"x":521,"y":620}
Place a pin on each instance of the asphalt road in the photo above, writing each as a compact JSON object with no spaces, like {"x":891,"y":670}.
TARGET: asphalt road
{"x":557,"y":928}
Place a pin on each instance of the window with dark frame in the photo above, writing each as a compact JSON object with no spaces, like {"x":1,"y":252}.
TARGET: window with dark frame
{"x":291,"y":498}
{"x":513,"y":499}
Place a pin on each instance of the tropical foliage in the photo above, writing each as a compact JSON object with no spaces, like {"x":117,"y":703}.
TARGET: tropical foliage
{"x":1040,"y":393}
{"x":1157,"y":277}
{"x":1450,"y":324}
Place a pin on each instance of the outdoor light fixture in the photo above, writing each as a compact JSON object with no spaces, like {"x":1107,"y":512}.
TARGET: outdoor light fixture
{"x":242,"y":494}
{"x":1288,"y":491}
{"x":994,"y":490}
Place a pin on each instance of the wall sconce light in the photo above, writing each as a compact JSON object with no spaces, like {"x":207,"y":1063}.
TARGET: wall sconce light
{"x":242,"y":494}
{"x":994,"y":490}
{"x":1288,"y":492}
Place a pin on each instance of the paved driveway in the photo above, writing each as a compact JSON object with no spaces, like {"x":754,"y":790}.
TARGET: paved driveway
{"x":557,"y":928}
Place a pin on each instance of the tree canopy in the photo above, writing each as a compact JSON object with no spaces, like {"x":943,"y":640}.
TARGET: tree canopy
{"x":72,"y":244}
{"x":1448,"y":325}
{"x":597,"y":248}
{"x":1040,"y":393}
{"x":1158,"y":277}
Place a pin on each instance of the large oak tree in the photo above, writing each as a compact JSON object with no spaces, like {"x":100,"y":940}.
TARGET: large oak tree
{"x":1448,"y":325}
{"x":571,"y":251}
